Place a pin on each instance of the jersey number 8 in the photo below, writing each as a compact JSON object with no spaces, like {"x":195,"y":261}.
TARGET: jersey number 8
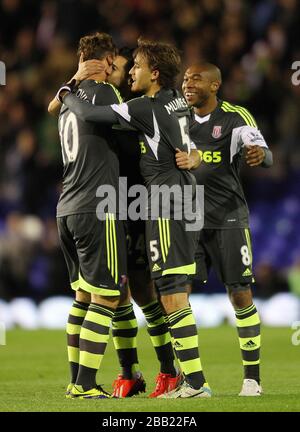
{"x":68,"y":131}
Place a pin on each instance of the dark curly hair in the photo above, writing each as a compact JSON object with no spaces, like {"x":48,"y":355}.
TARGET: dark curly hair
{"x":96,"y":46}
{"x":163,"y":57}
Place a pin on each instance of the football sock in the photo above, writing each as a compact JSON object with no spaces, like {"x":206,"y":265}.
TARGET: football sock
{"x":76,"y":317}
{"x":185,"y":341}
{"x":160,"y":337}
{"x":94,"y":335}
{"x":248,"y":326}
{"x":124,"y":331}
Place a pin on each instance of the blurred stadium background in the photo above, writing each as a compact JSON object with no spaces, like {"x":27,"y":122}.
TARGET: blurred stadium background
{"x":254,"y":42}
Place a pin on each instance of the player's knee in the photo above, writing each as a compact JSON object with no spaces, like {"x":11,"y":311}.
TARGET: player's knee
{"x":83,"y":296}
{"x":108,"y":301}
{"x":240,"y":295}
{"x":143,"y":295}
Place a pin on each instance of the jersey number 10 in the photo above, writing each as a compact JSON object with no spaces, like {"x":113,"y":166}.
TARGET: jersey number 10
{"x":68,"y":131}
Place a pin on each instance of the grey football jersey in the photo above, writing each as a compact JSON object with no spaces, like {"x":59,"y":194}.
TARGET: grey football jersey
{"x":220,"y":138}
{"x":88,"y":152}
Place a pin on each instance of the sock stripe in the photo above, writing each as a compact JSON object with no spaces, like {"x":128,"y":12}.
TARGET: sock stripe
{"x":174,"y":322}
{"x":248,"y":321}
{"x":125,"y":333}
{"x":92,"y":347}
{"x":149,"y":306}
{"x":181,"y":332}
{"x":80,"y":305}
{"x":98,"y":318}
{"x":73,"y":340}
{"x":97,"y":328}
{"x":178,"y":313}
{"x":158,"y":330}
{"x":76,"y":320}
{"x":251,"y":356}
{"x":73,"y":329}
{"x":159,"y":321}
{"x":101,"y":311}
{"x":245,"y":310}
{"x":189,"y":354}
{"x":125,"y":343}
{"x":249,"y":331}
{"x":124,"y":324}
{"x":124,"y":315}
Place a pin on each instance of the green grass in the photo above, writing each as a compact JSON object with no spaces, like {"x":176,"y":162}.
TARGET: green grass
{"x":34,"y":374}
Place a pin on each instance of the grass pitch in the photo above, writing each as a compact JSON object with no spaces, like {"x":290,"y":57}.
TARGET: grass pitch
{"x":34,"y":374}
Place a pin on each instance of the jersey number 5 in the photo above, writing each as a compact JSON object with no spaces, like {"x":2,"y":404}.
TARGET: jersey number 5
{"x":68,"y":131}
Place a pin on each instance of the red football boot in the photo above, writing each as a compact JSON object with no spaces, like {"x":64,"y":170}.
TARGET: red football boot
{"x":128,"y":387}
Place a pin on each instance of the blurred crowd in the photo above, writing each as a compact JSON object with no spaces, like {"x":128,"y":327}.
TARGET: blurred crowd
{"x":254,"y":42}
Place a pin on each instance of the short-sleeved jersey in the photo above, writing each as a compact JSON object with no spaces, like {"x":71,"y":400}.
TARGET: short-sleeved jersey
{"x":220,"y":138}
{"x":89,"y":152}
{"x":163,"y":124}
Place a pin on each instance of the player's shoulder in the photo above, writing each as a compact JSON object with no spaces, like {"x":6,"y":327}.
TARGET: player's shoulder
{"x":140,"y":101}
{"x":237,"y":114}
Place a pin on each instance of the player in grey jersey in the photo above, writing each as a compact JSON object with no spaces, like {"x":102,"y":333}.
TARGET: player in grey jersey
{"x":94,"y":250}
{"x":222,"y":133}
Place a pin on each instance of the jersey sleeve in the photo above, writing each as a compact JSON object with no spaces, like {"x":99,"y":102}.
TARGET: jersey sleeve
{"x":246,"y":133}
{"x":246,"y":129}
{"x":136,"y":113}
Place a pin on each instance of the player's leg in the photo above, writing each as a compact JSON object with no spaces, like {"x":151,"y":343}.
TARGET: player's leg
{"x":80,"y":305}
{"x":94,"y":336}
{"x":145,"y":295}
{"x":130,"y":380}
{"x":170,"y":265}
{"x":100,"y":247}
{"x":124,"y":331}
{"x":182,"y":324}
{"x":237,"y":276}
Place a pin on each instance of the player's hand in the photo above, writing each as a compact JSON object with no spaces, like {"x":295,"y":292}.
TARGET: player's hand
{"x":255,"y":155}
{"x":183,"y":160}
{"x":88,"y":68}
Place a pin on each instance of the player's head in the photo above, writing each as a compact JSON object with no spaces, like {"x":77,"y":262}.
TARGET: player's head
{"x":119,"y":77}
{"x":201,"y":83}
{"x":98,"y":46}
{"x":155,"y":64}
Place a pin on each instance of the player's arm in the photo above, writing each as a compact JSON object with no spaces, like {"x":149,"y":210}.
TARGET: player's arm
{"x":86,"y":111}
{"x":85,"y":69}
{"x":257,"y":151}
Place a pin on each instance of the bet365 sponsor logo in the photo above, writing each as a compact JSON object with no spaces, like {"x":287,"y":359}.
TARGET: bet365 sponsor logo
{"x":210,"y":156}
{"x":296,"y":335}
{"x":296,"y":74}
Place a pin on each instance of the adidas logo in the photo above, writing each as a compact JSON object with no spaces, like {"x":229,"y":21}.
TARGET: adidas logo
{"x":178,"y":345}
{"x":250,"y":344}
{"x":155,"y":268}
{"x":247,"y":272}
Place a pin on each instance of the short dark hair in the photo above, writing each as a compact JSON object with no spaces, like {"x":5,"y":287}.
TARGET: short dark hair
{"x":96,"y":46}
{"x":127,"y":53}
{"x":163,"y":57}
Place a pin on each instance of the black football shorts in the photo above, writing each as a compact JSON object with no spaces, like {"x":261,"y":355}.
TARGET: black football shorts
{"x":228,"y":251}
{"x":95,"y":252}
{"x":170,"y":247}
